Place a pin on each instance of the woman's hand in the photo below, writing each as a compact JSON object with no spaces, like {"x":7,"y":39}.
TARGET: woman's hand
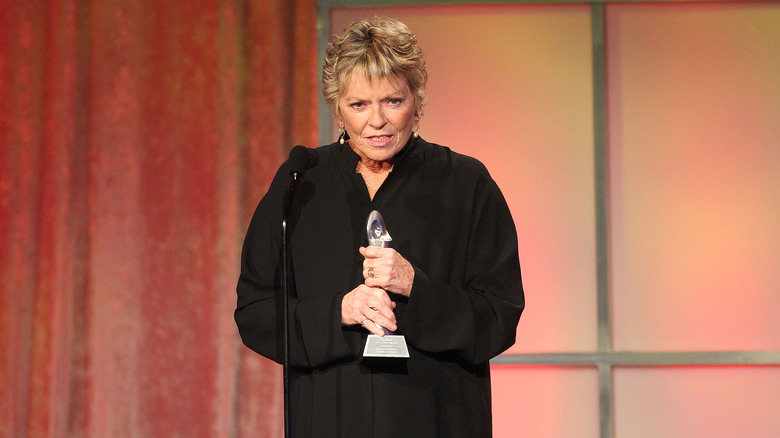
{"x":370,"y":307}
{"x":386,"y":269}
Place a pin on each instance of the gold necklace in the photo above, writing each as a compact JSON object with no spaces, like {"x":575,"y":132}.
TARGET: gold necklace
{"x":368,"y":184}
{"x":357,"y":170}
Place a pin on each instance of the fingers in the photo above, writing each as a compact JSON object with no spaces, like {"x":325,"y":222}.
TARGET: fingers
{"x":370,"y":307}
{"x":374,"y":323}
{"x":385,"y":268}
{"x":383,"y":317}
{"x":378,"y":265}
{"x":377,"y":323}
{"x":374,"y":252}
{"x":377,"y":276}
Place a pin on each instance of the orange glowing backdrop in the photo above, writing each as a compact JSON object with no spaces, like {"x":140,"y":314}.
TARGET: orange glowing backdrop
{"x":693,"y":206}
{"x":694,"y":131}
{"x":531,"y":124}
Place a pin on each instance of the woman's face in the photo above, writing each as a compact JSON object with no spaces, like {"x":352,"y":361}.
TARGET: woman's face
{"x":379,"y":116}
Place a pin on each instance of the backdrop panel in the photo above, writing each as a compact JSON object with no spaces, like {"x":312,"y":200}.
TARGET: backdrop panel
{"x":697,"y":401}
{"x":512,"y":86}
{"x":694,"y":100}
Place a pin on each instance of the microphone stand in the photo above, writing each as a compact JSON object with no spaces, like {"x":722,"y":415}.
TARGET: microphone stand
{"x":300,"y":159}
{"x":287,"y":287}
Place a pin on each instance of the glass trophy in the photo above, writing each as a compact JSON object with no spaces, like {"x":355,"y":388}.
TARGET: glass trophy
{"x":389,"y":345}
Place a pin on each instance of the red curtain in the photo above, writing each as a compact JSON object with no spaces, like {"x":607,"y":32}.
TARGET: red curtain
{"x":136,"y":138}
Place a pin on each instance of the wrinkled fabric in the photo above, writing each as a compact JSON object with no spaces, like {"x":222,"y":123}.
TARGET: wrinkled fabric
{"x":136,"y":137}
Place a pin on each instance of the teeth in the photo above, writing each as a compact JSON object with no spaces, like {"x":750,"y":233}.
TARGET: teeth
{"x":382,"y":138}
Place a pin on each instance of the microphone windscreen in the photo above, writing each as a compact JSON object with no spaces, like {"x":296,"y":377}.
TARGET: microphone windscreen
{"x":300,"y":159}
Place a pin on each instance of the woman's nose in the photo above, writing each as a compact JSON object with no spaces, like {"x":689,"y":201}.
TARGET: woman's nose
{"x":377,"y":119}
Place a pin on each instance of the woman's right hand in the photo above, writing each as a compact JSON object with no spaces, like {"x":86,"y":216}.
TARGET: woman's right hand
{"x":370,"y":307}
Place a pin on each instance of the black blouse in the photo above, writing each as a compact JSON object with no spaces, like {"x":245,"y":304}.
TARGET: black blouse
{"x":448,"y":218}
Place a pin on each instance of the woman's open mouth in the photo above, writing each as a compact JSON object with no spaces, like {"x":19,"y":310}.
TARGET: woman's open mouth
{"x":379,"y":140}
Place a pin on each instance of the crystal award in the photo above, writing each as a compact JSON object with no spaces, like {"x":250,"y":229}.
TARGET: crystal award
{"x":389,"y":345}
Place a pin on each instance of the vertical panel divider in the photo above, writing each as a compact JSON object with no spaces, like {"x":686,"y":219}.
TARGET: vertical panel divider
{"x":606,"y":401}
{"x":601,"y":190}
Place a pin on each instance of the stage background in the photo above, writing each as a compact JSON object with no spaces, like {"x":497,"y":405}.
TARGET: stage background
{"x":637,"y":145}
{"x":137,"y":138}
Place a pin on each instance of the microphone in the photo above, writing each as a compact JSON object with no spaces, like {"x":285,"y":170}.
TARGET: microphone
{"x":302,"y":159}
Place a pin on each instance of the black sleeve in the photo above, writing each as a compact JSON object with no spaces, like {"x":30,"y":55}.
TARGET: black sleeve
{"x":478,"y":319}
{"x":316,"y":336}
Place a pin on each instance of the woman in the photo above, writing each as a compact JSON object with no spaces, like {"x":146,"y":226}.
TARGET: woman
{"x":450,"y":284}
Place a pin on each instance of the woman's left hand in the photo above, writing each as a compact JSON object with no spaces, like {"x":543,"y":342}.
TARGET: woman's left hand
{"x":385,"y":268}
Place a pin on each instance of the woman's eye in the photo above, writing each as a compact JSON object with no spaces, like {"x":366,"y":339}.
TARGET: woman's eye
{"x":357,"y":105}
{"x":395,"y":101}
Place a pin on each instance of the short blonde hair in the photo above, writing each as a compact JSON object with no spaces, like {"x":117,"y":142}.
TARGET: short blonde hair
{"x":379,"y":48}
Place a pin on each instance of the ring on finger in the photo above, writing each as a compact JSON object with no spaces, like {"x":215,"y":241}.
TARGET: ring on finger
{"x":371,"y":271}
{"x":364,"y":322}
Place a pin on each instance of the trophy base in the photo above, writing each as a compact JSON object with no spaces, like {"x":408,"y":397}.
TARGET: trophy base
{"x":386,"y":346}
